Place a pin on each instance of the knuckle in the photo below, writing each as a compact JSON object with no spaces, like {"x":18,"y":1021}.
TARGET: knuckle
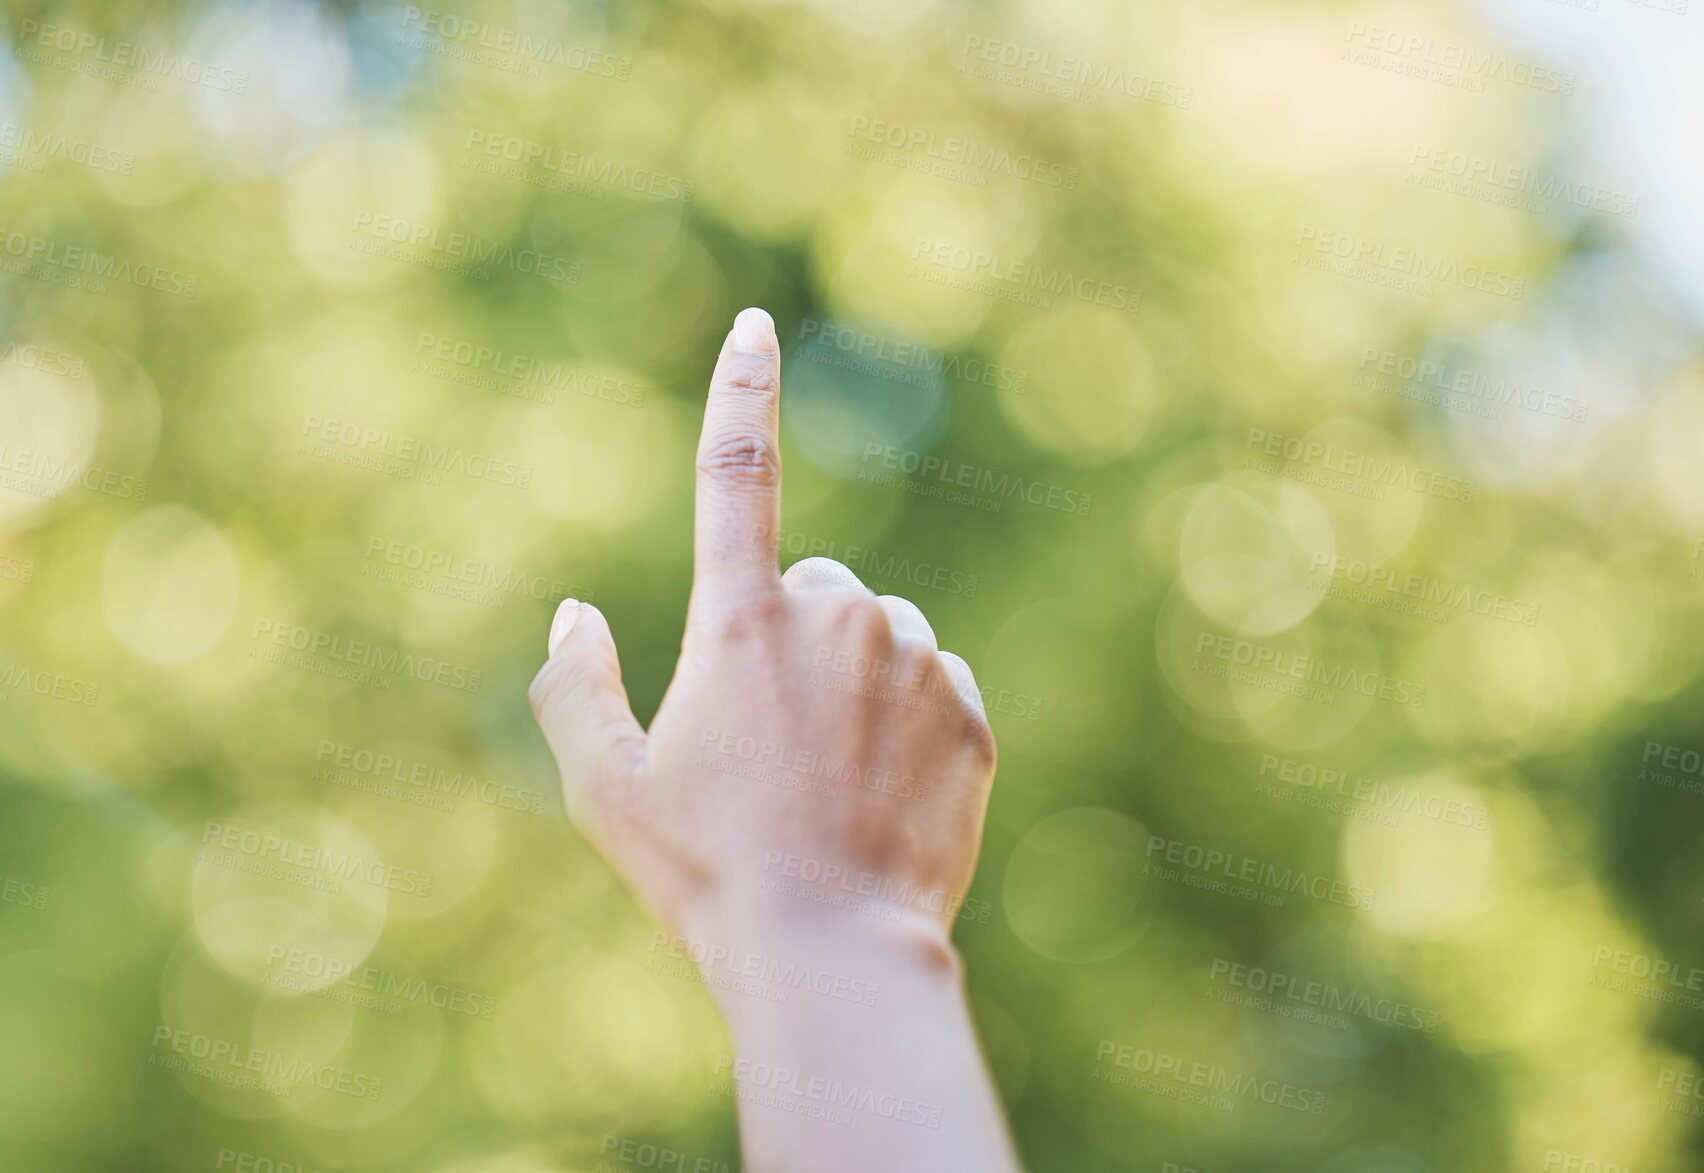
{"x":908,"y":621}
{"x":627,"y":752}
{"x":975,"y":732}
{"x":979,"y":739}
{"x":933,"y":678}
{"x":902,"y":606}
{"x":957,"y":688}
{"x":955,"y":665}
{"x":753,"y":374}
{"x":848,"y":630}
{"x":819,"y":571}
{"x":864,"y":618}
{"x":917,"y":648}
{"x":964,"y":681}
{"x":747,"y":456}
{"x":560,"y":685}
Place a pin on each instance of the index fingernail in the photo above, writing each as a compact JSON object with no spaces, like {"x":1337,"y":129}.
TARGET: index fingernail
{"x":754,"y":331}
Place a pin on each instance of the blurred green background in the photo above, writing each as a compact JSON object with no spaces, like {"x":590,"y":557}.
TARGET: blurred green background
{"x":1293,"y":413}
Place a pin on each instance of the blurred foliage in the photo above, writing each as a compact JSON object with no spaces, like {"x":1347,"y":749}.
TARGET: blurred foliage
{"x":337,"y":343}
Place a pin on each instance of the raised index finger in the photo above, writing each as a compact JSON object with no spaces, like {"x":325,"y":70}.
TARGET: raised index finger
{"x":739,"y":466}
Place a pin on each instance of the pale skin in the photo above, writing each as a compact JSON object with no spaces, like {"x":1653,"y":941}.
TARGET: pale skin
{"x":808,"y":799}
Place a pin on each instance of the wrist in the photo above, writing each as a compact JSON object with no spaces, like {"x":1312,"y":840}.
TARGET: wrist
{"x":761,"y":954}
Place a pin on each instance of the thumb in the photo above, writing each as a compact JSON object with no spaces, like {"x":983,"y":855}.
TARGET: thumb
{"x":582,"y":706}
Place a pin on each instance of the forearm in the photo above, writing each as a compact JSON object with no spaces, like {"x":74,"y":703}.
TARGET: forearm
{"x":890,"y":1080}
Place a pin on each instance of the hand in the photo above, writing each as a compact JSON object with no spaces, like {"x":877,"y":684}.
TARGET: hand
{"x":813,"y":741}
{"x":809,"y":799}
